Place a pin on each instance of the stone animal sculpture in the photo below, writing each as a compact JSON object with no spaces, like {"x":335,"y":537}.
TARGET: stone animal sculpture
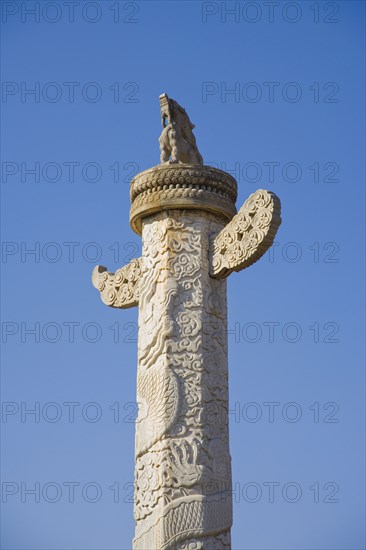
{"x":177,"y":142}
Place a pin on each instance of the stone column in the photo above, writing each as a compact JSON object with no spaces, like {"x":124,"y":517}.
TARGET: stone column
{"x":183,"y":471}
{"x":192,"y":239}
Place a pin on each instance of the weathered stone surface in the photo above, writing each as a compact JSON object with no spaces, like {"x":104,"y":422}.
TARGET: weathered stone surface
{"x":183,"y":472}
{"x":119,"y":289}
{"x":192,"y":240}
{"x":248,"y":236}
{"x":182,"y":186}
{"x":177,"y":142}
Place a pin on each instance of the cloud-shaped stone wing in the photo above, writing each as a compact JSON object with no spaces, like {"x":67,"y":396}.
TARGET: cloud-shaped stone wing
{"x":247,"y":236}
{"x":119,"y":289}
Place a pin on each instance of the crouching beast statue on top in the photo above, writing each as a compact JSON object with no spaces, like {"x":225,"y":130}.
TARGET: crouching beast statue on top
{"x":177,"y":142}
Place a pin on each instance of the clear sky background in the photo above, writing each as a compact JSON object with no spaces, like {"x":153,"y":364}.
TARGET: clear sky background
{"x":294,"y":125}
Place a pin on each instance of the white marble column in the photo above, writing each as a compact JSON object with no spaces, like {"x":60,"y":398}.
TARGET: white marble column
{"x":183,"y":471}
{"x":192,"y":240}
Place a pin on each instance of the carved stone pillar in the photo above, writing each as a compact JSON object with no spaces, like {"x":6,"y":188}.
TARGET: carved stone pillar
{"x":192,"y":239}
{"x":183,"y":472}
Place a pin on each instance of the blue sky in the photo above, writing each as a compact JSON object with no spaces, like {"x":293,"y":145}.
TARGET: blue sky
{"x":277,"y":95}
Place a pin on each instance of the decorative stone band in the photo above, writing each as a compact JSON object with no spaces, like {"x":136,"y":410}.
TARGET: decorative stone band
{"x":181,"y":186}
{"x":248,"y":236}
{"x":187,"y":517}
{"x":119,"y":289}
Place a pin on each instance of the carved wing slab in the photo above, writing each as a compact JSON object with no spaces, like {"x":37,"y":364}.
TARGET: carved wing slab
{"x":119,"y":289}
{"x":247,"y":236}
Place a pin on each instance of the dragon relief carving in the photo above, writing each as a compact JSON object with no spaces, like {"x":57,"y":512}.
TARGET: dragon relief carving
{"x":177,"y":142}
{"x":158,"y":402}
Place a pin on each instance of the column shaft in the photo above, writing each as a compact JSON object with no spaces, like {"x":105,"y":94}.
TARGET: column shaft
{"x":183,"y":469}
